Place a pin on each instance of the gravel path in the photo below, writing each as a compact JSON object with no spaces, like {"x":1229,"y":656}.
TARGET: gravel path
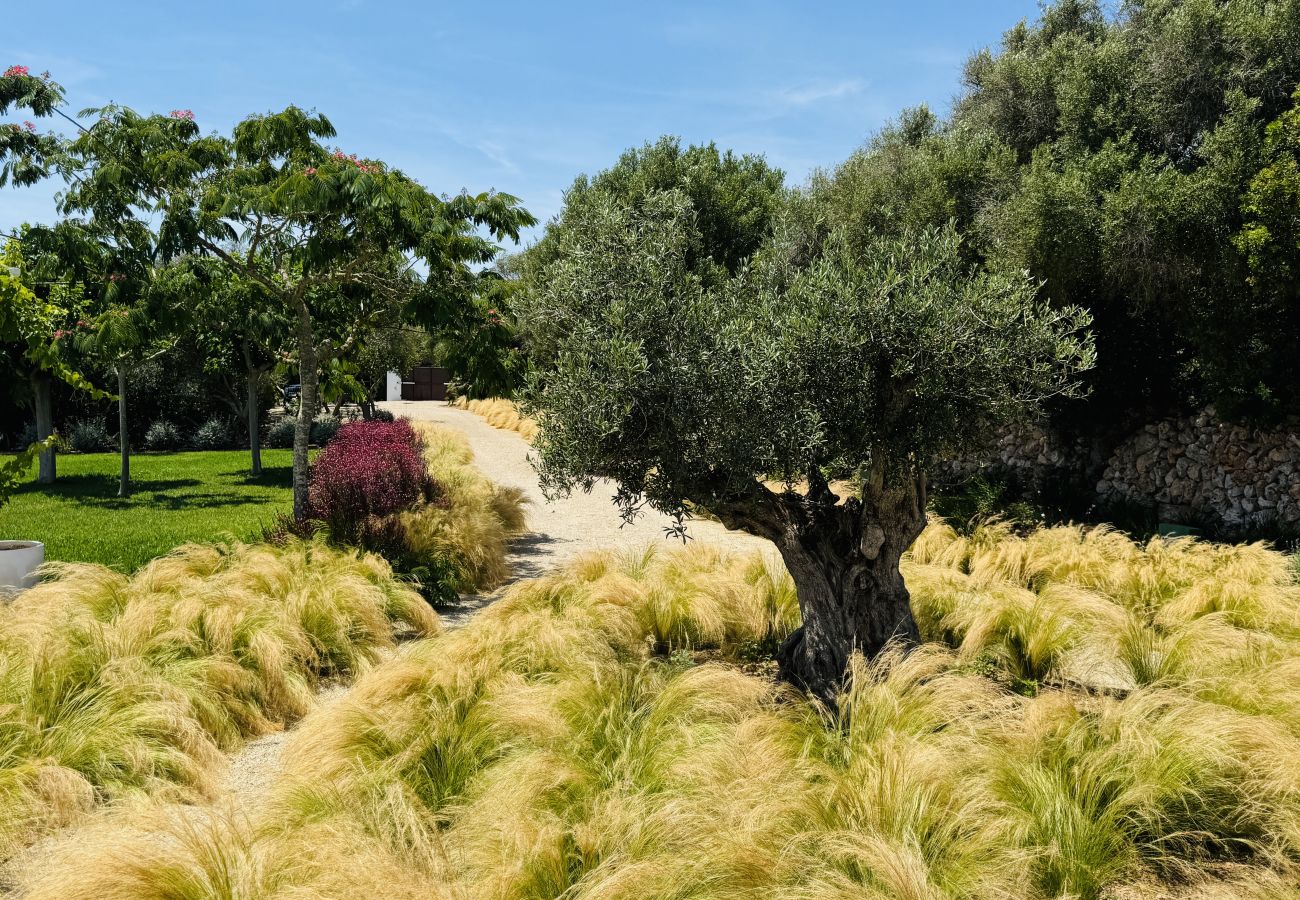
{"x":566,"y":527}
{"x":558,"y":531}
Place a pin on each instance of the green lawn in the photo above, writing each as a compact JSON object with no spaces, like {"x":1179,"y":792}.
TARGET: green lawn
{"x":177,"y":497}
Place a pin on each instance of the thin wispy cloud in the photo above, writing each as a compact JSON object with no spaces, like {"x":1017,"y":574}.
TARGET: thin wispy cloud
{"x":497,"y":154}
{"x":819,"y":92}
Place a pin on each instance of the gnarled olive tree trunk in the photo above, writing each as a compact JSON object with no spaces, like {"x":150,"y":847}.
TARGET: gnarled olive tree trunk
{"x":844,"y":559}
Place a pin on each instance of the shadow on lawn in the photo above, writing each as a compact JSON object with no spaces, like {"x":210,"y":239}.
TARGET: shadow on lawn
{"x":272,"y":476}
{"x":100,"y":491}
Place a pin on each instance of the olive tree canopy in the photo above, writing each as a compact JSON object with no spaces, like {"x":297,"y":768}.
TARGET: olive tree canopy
{"x":833,"y":351}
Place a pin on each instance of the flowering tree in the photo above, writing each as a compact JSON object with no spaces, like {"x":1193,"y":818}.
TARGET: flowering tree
{"x":108,"y":247}
{"x":33,"y":327}
{"x":31,"y":322}
{"x":331,"y":239}
{"x":26,"y":152}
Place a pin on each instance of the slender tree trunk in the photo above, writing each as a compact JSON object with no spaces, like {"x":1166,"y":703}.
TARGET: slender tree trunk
{"x":123,"y":437}
{"x":254,"y":379}
{"x":44,"y":424}
{"x":254,"y":428}
{"x":308,"y":362}
{"x":844,"y":560}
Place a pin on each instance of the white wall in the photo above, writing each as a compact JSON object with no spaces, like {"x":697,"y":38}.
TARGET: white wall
{"x":394,"y":386}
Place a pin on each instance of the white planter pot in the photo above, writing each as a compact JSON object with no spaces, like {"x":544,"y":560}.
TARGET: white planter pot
{"x":19,"y":561}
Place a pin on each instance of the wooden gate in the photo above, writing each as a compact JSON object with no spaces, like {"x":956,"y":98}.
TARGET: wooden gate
{"x":426,"y":383}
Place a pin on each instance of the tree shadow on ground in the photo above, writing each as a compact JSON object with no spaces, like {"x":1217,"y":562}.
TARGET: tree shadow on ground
{"x":272,"y":476}
{"x":100,"y":491}
{"x":530,"y":556}
{"x":97,"y":487}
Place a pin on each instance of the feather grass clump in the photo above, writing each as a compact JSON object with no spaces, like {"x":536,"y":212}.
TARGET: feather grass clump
{"x":115,"y":687}
{"x":562,"y":745}
{"x":500,"y":413}
{"x":466,"y":528}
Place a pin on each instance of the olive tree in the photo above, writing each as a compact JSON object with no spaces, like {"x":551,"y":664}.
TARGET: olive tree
{"x":833,"y":352}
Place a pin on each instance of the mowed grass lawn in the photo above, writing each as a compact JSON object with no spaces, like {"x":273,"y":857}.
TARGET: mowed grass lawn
{"x":176,"y":497}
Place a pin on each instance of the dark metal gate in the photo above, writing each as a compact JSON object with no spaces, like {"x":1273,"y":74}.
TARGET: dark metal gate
{"x":426,"y":383}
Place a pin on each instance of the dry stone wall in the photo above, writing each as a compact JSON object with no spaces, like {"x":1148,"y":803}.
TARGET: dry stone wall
{"x":1194,"y":470}
{"x":1202,"y":469}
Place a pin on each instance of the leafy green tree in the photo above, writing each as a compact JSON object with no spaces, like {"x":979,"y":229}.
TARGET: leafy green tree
{"x":1112,"y":154}
{"x":239,"y":329}
{"x":477,"y":340}
{"x":331,"y":240}
{"x":107,"y":246}
{"x":25,"y":158}
{"x":692,"y":379}
{"x":1270,"y":240}
{"x":32,"y":328}
{"x":26,"y":153}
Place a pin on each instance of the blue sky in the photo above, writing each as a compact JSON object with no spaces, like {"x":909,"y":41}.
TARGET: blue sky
{"x":521,"y":97}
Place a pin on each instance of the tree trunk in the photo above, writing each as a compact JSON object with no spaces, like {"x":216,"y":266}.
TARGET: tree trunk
{"x":844,"y":560}
{"x":307,"y":379}
{"x":254,"y":429}
{"x":253,"y":377}
{"x":123,"y":437}
{"x":44,"y":424}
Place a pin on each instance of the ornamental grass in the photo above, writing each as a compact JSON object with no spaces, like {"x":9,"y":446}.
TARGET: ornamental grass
{"x":116,"y":687}
{"x":612,"y":731}
{"x":500,"y":413}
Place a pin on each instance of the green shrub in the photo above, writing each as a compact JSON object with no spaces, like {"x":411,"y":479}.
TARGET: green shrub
{"x":214,"y":434}
{"x":162,"y":435}
{"x":280,"y":435}
{"x":88,"y":436}
{"x":324,"y":427}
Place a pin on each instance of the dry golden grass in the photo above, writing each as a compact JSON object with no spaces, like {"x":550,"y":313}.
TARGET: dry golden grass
{"x":472,"y":519}
{"x":562,"y":744}
{"x":114,"y":686}
{"x":501,"y":414}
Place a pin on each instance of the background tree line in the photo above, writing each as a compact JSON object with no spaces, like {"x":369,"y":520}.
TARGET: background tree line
{"x":1141,"y":165}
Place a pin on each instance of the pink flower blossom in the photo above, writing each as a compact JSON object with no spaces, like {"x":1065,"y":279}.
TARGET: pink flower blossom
{"x":182,"y":114}
{"x":15,"y":71}
{"x":60,"y":334}
{"x":339,"y":154}
{"x":30,"y":126}
{"x":309,"y":171}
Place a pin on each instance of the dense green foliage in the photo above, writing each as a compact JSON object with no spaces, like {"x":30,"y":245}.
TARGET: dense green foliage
{"x":27,"y":153}
{"x":691,"y":377}
{"x":1119,"y":159}
{"x":878,"y":353}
